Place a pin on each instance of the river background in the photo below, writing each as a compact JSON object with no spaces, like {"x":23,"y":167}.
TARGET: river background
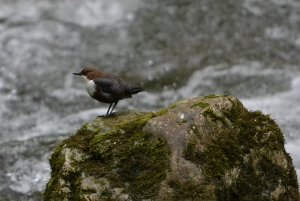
{"x":175,"y":49}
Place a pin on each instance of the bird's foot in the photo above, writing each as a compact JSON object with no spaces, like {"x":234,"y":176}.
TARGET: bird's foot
{"x":112,"y":114}
{"x":108,"y":115}
{"x":101,"y":116}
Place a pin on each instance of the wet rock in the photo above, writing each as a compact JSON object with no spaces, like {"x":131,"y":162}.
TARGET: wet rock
{"x":206,"y":148}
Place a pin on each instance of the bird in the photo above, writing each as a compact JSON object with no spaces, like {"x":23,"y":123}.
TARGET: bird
{"x":107,"y":88}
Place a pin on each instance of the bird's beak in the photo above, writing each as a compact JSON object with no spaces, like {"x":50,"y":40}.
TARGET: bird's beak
{"x":76,"y":73}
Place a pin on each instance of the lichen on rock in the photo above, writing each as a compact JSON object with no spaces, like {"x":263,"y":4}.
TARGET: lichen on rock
{"x":206,"y":148}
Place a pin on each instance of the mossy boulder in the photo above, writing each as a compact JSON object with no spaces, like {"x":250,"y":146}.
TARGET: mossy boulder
{"x":206,"y":148}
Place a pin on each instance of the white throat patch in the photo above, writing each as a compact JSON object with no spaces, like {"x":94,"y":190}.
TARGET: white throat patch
{"x":89,"y":85}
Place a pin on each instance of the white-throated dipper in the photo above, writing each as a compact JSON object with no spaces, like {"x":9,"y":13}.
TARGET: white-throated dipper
{"x":107,"y":88}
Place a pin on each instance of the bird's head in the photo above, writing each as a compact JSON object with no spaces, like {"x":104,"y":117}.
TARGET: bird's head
{"x":89,"y":72}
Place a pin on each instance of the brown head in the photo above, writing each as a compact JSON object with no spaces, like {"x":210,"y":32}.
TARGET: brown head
{"x":90,"y":73}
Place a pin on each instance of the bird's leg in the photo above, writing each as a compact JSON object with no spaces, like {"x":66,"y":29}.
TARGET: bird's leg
{"x":114,"y":107}
{"x":108,"y":109}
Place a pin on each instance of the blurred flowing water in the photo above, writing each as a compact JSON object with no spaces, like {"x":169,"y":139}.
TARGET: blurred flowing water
{"x":176,"y":49}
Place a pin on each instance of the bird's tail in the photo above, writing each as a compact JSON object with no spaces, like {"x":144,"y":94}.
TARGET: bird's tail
{"x":135,"y":90}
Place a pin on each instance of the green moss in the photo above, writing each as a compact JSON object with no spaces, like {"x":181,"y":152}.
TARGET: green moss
{"x":123,"y":154}
{"x":140,"y":159}
{"x":55,"y":160}
{"x":210,"y":96}
{"x":119,"y":151}
{"x":52,"y":191}
{"x":81,"y":139}
{"x":161,"y":112}
{"x":226,"y":149}
{"x":200,"y":104}
{"x":173,"y":106}
{"x":209,"y":112}
{"x":189,"y":152}
{"x":191,"y":191}
{"x":53,"y":187}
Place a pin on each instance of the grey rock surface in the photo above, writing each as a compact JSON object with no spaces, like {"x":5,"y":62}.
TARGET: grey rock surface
{"x":206,"y":148}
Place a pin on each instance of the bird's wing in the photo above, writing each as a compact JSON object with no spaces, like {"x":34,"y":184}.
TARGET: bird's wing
{"x":109,"y":85}
{"x":117,"y":87}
